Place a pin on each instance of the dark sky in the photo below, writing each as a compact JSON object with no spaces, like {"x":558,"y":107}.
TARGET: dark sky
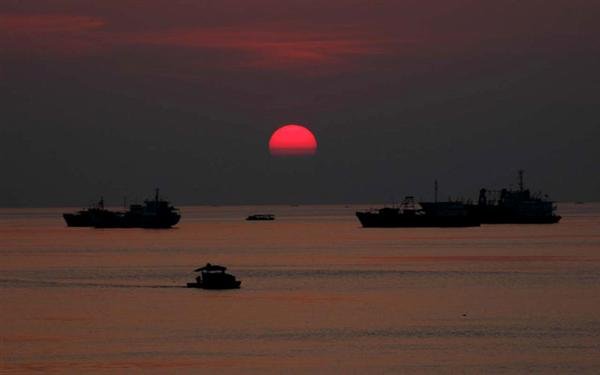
{"x":115,"y":98}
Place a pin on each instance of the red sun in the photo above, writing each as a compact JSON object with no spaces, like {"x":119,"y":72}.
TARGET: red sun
{"x":292,"y":140}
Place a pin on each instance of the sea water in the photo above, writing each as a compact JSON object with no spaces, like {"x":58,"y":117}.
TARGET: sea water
{"x":319,"y":294}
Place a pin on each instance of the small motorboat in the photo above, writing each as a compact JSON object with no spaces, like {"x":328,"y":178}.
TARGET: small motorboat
{"x":261,"y":217}
{"x":213,"y":276}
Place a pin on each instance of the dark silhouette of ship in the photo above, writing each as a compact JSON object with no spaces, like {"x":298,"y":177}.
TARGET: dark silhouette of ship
{"x":84,"y":218}
{"x":514,"y":207}
{"x":213,"y":276}
{"x":154,"y":213}
{"x":423,"y":214}
{"x":261,"y":217}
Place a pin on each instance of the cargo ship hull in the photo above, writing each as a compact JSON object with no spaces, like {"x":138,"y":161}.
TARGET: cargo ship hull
{"x":124,"y":220}
{"x":516,"y":219}
{"x":78,"y":220}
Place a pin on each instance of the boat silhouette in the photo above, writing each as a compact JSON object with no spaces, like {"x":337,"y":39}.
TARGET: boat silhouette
{"x":423,"y":214}
{"x":258,"y":217}
{"x":213,"y":276}
{"x":154,"y":213}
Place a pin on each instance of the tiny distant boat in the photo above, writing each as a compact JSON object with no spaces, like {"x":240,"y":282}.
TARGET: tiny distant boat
{"x":261,"y":217}
{"x":213,"y":276}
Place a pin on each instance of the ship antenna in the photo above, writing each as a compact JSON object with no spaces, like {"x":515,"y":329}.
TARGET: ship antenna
{"x":521,"y":179}
{"x":435,"y":187}
{"x":156,"y":196}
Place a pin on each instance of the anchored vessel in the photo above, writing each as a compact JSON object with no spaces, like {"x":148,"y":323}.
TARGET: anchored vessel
{"x":514,"y":207}
{"x":154,"y":213}
{"x":257,"y":217}
{"x":424,"y":214}
{"x":213,"y":276}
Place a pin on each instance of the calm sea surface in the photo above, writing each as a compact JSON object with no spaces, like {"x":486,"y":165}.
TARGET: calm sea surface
{"x":319,"y":294}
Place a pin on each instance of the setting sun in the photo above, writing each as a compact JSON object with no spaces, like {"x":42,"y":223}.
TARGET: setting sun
{"x":292,"y":140}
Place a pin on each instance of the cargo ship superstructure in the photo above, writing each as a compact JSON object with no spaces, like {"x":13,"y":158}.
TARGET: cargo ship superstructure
{"x":514,"y":206}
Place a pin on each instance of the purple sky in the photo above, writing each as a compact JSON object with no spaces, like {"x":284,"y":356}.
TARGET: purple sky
{"x":117,"y":97}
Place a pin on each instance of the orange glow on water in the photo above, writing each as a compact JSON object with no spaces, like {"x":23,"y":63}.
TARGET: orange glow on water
{"x":292,"y":140}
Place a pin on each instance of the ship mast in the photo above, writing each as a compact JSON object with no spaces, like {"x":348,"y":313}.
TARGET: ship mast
{"x":435,"y":188}
{"x":521,"y":179}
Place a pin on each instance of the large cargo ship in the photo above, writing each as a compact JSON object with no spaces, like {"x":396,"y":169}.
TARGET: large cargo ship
{"x":154,"y":213}
{"x":514,"y":207}
{"x":423,"y":214}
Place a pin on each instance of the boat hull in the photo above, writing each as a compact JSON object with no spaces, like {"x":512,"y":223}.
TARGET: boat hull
{"x":84,"y":218}
{"x":521,"y":220}
{"x":233,"y":285}
{"x":136,"y":221}
{"x":503,"y":215}
{"x":78,"y":220}
{"x":114,"y":219}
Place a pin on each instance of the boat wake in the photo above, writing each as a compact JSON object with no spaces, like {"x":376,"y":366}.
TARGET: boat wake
{"x":29,"y":283}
